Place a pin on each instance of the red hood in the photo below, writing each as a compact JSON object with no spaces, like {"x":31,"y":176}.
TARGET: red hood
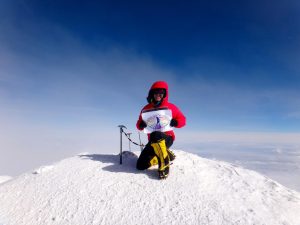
{"x":161,"y":84}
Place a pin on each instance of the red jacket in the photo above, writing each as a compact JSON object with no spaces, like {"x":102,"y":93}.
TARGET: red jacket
{"x":176,"y":113}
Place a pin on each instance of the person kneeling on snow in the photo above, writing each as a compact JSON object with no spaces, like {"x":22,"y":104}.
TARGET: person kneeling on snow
{"x":157,"y":149}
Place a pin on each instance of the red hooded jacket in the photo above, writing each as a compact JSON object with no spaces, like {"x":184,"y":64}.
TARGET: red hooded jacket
{"x":176,"y":113}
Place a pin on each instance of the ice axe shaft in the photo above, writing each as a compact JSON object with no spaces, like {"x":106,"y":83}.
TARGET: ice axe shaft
{"x":121,"y":150}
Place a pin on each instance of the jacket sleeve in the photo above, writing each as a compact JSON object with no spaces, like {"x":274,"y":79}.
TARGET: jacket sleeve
{"x":139,"y":121}
{"x":178,"y":115}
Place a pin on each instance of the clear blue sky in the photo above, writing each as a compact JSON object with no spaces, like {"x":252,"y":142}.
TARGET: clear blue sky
{"x":82,"y":67}
{"x":231,"y":65}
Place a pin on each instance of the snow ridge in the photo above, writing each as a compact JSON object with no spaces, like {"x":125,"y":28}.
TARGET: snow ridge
{"x":4,"y":179}
{"x":95,"y":189}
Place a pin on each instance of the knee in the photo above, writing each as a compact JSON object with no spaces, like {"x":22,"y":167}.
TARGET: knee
{"x":141,"y":166}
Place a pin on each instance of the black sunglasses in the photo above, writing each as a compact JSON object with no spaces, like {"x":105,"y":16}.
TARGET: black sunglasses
{"x":159,"y":91}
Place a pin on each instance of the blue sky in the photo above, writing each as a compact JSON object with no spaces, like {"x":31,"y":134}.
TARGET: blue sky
{"x":71,"y":71}
{"x":230,"y":66}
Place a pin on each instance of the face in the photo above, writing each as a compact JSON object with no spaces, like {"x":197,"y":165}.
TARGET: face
{"x":158,"y":94}
{"x":158,"y":97}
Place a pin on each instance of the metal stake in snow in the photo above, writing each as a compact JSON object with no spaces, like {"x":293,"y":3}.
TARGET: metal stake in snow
{"x":121,"y":131}
{"x":129,"y":140}
{"x":141,"y":145}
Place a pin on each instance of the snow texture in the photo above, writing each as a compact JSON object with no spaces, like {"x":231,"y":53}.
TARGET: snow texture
{"x":4,"y":179}
{"x":95,"y":189}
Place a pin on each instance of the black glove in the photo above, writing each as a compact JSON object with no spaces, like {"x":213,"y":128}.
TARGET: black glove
{"x":142,"y":125}
{"x":173,"y":123}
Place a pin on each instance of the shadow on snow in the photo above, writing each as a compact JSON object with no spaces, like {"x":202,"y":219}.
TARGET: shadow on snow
{"x":128,"y":163}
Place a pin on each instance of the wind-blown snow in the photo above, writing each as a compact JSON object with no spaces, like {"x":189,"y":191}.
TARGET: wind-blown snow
{"x":95,"y":189}
{"x":4,"y":179}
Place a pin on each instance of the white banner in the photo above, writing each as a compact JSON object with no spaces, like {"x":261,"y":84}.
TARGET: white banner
{"x":157,"y":120}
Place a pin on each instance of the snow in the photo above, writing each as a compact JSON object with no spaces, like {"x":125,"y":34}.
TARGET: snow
{"x":4,"y":179}
{"x":95,"y":189}
{"x":42,"y":169}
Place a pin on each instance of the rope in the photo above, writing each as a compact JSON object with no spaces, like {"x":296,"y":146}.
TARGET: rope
{"x":142,"y":145}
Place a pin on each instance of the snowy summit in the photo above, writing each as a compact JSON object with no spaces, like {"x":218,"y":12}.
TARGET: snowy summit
{"x":96,"y":189}
{"x":4,"y":179}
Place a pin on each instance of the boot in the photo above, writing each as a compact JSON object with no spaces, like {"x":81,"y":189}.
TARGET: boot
{"x":162,"y":155}
{"x":154,"y":161}
{"x":171,"y":154}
